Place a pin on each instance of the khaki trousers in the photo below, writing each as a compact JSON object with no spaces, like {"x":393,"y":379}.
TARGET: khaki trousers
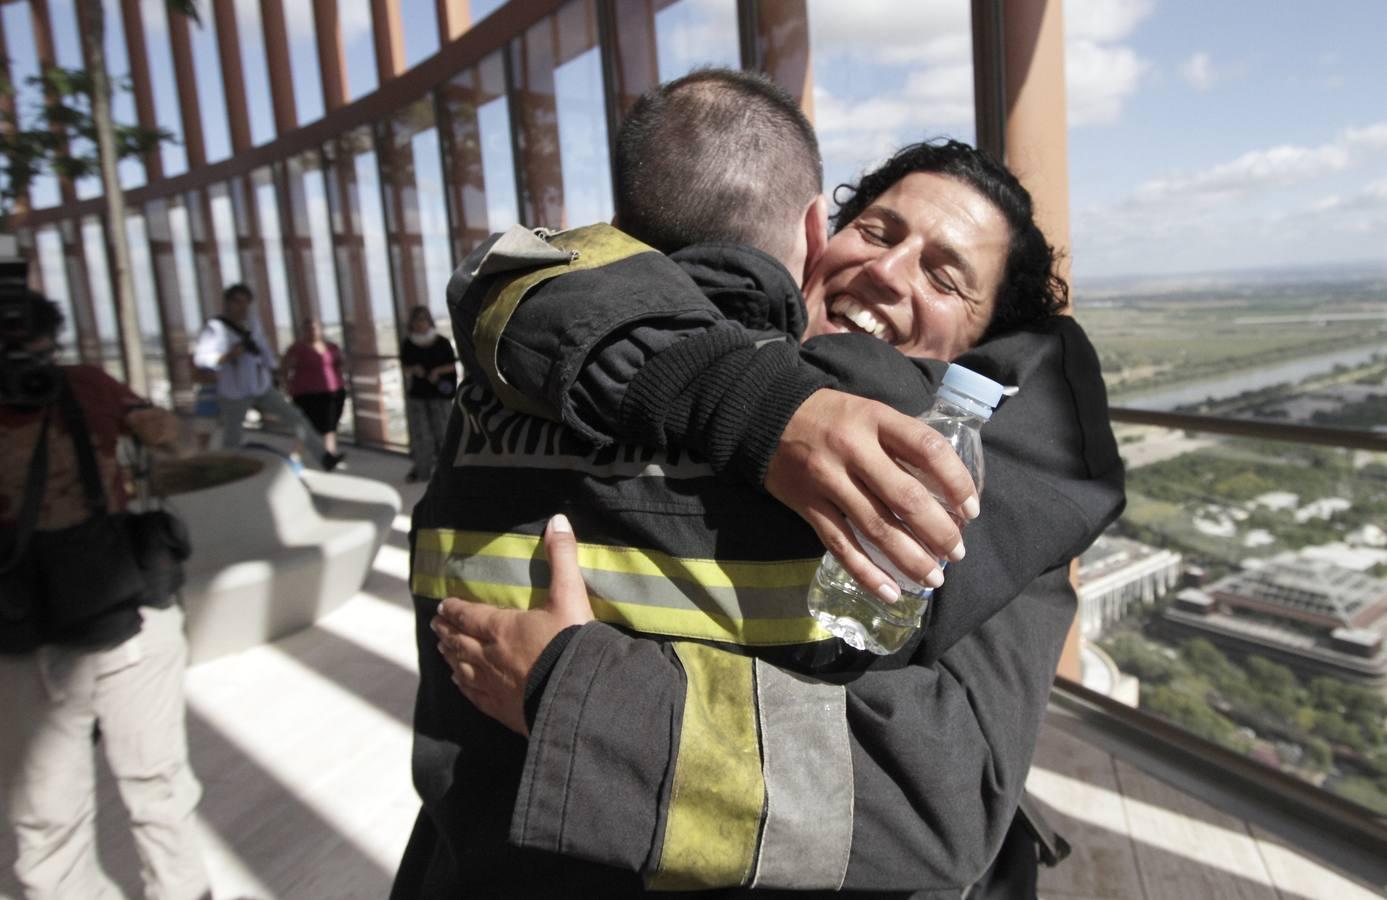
{"x":52,"y":699}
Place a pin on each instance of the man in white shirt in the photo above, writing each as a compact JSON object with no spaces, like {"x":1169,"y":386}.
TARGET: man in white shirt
{"x":234,"y":346}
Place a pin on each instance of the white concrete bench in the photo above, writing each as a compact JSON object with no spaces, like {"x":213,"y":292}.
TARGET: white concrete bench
{"x":273,"y":553}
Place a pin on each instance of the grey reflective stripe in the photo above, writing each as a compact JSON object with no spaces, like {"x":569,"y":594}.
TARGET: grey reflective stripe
{"x":625,"y":587}
{"x":807,"y":765}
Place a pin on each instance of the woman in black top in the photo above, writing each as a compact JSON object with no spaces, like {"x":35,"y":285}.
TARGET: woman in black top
{"x":430,"y":368}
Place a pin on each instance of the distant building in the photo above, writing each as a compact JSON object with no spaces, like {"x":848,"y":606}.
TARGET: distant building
{"x":1307,"y":612}
{"x":1116,"y":573}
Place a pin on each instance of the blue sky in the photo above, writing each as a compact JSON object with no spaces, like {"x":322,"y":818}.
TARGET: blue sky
{"x":1203,"y":136}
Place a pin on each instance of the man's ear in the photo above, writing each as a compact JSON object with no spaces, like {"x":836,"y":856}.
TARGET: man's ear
{"x":815,"y":232}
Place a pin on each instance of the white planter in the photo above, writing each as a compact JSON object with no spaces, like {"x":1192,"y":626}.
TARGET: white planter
{"x":273,"y":553}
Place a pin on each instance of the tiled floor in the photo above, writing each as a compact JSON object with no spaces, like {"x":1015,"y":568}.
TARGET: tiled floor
{"x":303,"y":751}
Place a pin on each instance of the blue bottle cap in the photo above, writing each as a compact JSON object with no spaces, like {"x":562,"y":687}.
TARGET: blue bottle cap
{"x":969,"y":384}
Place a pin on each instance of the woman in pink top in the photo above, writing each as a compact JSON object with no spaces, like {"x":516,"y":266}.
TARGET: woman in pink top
{"x":313,"y":369}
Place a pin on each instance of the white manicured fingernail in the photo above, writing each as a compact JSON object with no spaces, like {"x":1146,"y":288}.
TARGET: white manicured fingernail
{"x":439,"y":611}
{"x":957,"y":553}
{"x":889,"y":591}
{"x":560,"y":524}
{"x":971,"y":508}
{"x":935,"y":578}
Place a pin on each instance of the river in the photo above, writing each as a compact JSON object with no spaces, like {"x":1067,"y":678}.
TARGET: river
{"x":1224,"y":386}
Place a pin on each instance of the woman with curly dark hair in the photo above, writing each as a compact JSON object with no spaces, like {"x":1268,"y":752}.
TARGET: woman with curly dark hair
{"x":934,"y":251}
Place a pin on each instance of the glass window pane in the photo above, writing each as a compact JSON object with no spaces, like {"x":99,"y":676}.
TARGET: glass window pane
{"x":879,"y":84}
{"x":272,"y":238}
{"x":179,"y":316}
{"x":147,"y":311}
{"x":216,"y":133}
{"x":368,"y":317}
{"x":93,"y":238}
{"x":312,"y":240}
{"x":461,"y":100}
{"x":67,"y":50}
{"x":224,"y":235}
{"x":206,"y":253}
{"x":372,"y":225}
{"x":303,"y":60}
{"x":483,"y":8}
{"x":131,"y":169}
{"x":533,"y":57}
{"x":498,"y":164}
{"x":54,"y":273}
{"x":256,"y":72}
{"x":1243,"y":596}
{"x":1239,"y":275}
{"x":161,"y":73}
{"x":185,"y":268}
{"x":24,"y":65}
{"x":693,"y":33}
{"x":358,"y":47}
{"x":420,"y":21}
{"x":415,"y":218}
{"x":67,"y":41}
{"x":583,"y":144}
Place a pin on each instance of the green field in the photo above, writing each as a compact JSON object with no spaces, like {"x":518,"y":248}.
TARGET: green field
{"x":1155,"y":340}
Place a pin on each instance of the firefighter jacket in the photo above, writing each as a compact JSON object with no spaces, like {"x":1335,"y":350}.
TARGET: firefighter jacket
{"x":704,"y":734}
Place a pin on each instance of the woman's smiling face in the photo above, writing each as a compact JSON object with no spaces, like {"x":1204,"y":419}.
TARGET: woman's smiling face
{"x":919,"y":268}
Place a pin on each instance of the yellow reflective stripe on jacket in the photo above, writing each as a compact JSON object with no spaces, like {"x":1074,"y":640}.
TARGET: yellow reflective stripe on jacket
{"x":748,"y":603}
{"x":593,"y":246}
{"x":716,"y":801}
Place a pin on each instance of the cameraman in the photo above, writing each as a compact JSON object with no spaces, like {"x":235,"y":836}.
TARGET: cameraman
{"x":60,"y":687}
{"x":233,"y":346}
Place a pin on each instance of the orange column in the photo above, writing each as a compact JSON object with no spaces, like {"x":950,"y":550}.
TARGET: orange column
{"x":782,"y":42}
{"x":389,"y":39}
{"x":1037,"y":135}
{"x":454,"y":18}
{"x":277,"y":61}
{"x":634,"y":67}
{"x":233,"y":75}
{"x":1027,"y":45}
{"x":535,"y":120}
{"x":133,"y":23}
{"x":189,"y":109}
{"x":332,"y":61}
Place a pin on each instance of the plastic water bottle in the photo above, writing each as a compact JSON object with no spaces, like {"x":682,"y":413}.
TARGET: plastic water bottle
{"x":843,"y":607}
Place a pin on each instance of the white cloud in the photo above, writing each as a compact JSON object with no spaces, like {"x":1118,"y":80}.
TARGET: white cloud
{"x":888,"y":31}
{"x":1272,"y":167}
{"x":1281,"y":165}
{"x":1101,"y":73}
{"x":1372,"y":197}
{"x":930,"y":103}
{"x":1104,"y":21}
{"x":353,"y":17}
{"x":1100,"y":80}
{"x":1198,"y":71}
{"x":1371,"y":139}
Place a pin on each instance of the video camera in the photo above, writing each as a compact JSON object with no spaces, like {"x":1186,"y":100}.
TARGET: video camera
{"x":27,"y":378}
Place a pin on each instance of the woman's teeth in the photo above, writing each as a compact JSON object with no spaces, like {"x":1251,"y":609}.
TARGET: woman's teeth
{"x":859,"y":315}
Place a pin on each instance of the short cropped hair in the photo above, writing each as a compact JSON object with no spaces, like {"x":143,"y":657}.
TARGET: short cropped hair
{"x":716,"y":156}
{"x":1031,"y":288}
{"x":238,"y":289}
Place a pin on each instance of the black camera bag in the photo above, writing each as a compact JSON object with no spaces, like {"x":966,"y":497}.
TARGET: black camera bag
{"x":85,"y":584}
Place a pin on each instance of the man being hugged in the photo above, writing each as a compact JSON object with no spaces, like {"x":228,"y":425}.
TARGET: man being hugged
{"x":703,"y":732}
